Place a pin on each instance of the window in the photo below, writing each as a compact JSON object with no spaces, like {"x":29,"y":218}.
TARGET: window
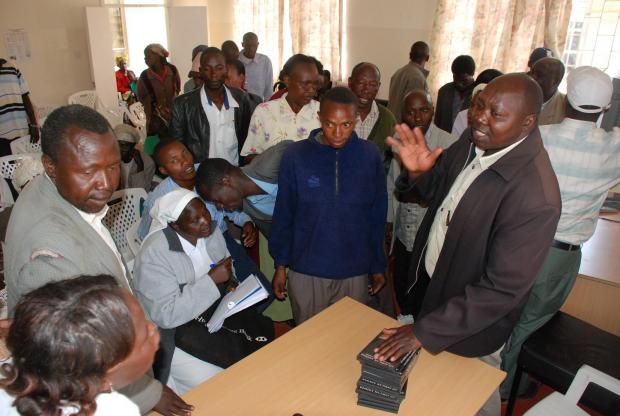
{"x":135,"y":24}
{"x":594,"y":36}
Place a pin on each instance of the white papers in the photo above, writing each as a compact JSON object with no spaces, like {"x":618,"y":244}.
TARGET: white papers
{"x":17,"y":45}
{"x":248,"y":293}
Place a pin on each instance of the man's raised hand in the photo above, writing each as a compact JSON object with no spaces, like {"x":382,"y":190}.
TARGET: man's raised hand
{"x":413,"y":150}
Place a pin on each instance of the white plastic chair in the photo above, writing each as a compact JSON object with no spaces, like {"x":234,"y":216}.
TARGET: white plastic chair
{"x":86,"y":97}
{"x":123,"y":213}
{"x":9,"y":163}
{"x":557,"y":404}
{"x":23,"y":145}
{"x":133,"y":241}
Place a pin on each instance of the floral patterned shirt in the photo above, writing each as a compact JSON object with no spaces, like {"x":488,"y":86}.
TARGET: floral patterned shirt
{"x":274,"y":121}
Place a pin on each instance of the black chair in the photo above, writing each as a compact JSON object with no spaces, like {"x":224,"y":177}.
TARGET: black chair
{"x":555,"y":352}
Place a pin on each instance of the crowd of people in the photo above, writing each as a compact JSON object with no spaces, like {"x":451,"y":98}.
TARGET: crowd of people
{"x":483,"y":197}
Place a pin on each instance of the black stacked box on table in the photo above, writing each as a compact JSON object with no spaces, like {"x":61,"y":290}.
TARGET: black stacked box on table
{"x":383,"y":384}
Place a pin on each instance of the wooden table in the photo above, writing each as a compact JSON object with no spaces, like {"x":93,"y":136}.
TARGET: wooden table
{"x":595,"y":298}
{"x":312,"y":370}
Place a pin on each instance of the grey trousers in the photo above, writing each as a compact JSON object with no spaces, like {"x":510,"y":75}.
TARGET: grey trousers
{"x":311,"y":294}
{"x":493,"y":406}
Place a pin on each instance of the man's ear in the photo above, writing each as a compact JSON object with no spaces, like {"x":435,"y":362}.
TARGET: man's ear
{"x":49,"y":166}
{"x":174,"y":226}
{"x":163,"y":171}
{"x":350,"y":82}
{"x":226,"y":180}
{"x":286,"y":79}
{"x":529,"y":122}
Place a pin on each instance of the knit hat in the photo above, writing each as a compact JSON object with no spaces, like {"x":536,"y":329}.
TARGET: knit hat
{"x":126,"y":133}
{"x":158,"y":49}
{"x":589,"y":86}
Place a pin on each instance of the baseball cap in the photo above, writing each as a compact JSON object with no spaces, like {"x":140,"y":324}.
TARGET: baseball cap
{"x":588,"y":86}
{"x":126,"y":133}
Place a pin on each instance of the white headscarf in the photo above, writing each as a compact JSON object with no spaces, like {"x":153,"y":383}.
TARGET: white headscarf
{"x":169,"y":207}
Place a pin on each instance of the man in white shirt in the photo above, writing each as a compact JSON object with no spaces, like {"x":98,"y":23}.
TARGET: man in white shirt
{"x":258,"y":69}
{"x":586,"y":160}
{"x":55,"y":231}
{"x":291,"y":117}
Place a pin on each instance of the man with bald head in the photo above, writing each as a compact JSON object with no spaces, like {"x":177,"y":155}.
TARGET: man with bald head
{"x":258,"y":68}
{"x":410,"y":77}
{"x":405,"y":215}
{"x":374,"y":122}
{"x":493,"y":207}
{"x":212,"y":121}
{"x":548,"y":73}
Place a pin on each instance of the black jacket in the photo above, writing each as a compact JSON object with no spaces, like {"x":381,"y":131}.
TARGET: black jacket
{"x":497,"y":240}
{"x":190,"y":124}
{"x":444,"y":115}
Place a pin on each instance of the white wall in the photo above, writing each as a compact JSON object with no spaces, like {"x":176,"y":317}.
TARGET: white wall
{"x":382,"y":32}
{"x":60,"y":63}
{"x":379,"y":32}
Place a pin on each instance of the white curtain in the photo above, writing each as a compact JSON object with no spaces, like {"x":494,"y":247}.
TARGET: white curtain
{"x":287,"y":27}
{"x":498,"y":34}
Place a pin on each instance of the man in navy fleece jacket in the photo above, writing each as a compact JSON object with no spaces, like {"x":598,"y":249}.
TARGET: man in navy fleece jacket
{"x":329,"y":218}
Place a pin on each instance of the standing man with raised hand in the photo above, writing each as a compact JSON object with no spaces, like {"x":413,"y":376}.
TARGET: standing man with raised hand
{"x":493,"y":207}
{"x":410,"y":77}
{"x":329,"y":217}
{"x":258,"y":68}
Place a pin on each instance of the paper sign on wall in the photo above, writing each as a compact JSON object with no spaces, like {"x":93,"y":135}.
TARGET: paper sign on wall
{"x":17,"y":45}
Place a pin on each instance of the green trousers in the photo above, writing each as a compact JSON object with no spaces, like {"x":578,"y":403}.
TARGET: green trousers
{"x":553,"y":284}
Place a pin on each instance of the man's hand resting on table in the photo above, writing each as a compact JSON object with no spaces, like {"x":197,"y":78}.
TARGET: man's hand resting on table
{"x":398,"y":342}
{"x":172,"y":405}
{"x":413,"y":150}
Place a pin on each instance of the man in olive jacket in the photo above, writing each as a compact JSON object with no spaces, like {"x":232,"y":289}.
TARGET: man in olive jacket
{"x":212,"y":121}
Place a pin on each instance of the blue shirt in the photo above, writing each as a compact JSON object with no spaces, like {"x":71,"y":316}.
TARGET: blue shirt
{"x":169,"y":185}
{"x":266,"y":202}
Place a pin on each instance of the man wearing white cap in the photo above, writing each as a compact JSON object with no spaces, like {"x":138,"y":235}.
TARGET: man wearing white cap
{"x":586,"y":160}
{"x":137,"y":168}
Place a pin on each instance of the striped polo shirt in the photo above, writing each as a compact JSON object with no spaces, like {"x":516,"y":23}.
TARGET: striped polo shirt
{"x":586,"y":161}
{"x":13,"y":117}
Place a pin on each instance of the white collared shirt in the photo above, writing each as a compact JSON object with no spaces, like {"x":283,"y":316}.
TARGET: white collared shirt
{"x":198,"y":255}
{"x":223,"y":137}
{"x":363,"y":128}
{"x":95,"y":222}
{"x":439,"y":228}
{"x":275,"y":121}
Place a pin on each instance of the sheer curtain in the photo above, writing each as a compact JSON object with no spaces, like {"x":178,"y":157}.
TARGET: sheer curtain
{"x":286,"y":27}
{"x":496,"y":33}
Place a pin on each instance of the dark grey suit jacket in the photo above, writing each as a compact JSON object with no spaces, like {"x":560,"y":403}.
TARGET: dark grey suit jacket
{"x":497,"y":240}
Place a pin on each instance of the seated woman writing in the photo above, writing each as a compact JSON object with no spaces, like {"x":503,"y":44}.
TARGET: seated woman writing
{"x":74,"y":343}
{"x":181,"y":272}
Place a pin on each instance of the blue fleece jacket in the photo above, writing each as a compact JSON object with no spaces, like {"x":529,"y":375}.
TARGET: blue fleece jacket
{"x":329,"y":217}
